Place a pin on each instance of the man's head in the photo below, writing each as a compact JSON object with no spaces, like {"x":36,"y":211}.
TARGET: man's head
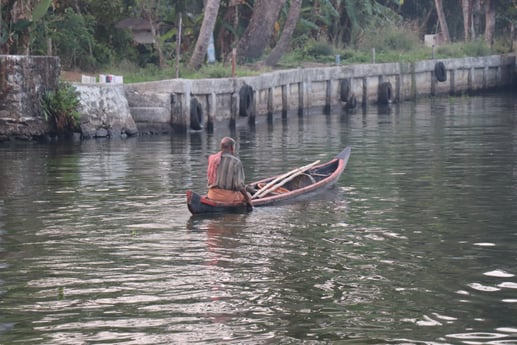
{"x":228,"y":145}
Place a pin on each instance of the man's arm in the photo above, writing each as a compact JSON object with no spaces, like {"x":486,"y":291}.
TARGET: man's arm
{"x":247,"y":197}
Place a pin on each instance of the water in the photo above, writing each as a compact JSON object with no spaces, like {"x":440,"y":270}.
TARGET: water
{"x":416,"y":244}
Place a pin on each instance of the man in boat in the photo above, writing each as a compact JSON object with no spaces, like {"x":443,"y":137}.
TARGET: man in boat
{"x":226,"y":175}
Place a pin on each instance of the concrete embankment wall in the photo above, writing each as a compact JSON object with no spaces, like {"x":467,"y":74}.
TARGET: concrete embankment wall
{"x":184,"y":104}
{"x":180,"y":104}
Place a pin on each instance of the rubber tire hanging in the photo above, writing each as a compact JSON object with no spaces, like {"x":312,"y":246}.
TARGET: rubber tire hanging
{"x":385,"y":93}
{"x":196,"y":114}
{"x":245,"y":100}
{"x":345,"y":90}
{"x":440,"y":71}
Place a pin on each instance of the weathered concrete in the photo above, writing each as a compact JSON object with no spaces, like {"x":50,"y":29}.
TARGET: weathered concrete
{"x":23,"y":80}
{"x":159,"y":107}
{"x":104,"y":111}
{"x":299,"y":89}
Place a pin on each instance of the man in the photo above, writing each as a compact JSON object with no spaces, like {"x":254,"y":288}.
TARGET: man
{"x":226,"y":175}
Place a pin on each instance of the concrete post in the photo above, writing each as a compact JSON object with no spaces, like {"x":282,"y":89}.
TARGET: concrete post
{"x":485,"y":77}
{"x":285,"y":106}
{"x":452,"y":80}
{"x":328,"y":97}
{"x":270,"y":101}
{"x":433,"y":83}
{"x":470,"y":80}
{"x":234,"y":109}
{"x":365,"y":91}
{"x":300,"y":98}
{"x":211,"y":110}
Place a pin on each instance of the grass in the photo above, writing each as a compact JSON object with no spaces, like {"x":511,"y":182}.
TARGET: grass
{"x":395,"y":44}
{"x":135,"y":74}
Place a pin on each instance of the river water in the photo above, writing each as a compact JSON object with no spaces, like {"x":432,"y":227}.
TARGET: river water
{"x":416,"y":244}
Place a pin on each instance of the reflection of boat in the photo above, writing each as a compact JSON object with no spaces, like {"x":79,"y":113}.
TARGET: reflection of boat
{"x":301,"y":182}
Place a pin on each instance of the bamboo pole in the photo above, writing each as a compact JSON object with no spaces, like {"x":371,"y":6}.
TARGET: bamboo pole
{"x":281,"y":180}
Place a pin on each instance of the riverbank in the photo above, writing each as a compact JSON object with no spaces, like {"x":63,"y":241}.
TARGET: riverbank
{"x":179,"y":105}
{"x":206,"y":103}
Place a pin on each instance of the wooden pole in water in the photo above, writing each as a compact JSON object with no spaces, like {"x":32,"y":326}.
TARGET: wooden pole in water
{"x":234,"y":57}
{"x":178,"y":47}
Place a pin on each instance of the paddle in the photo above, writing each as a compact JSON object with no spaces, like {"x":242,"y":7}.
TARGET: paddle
{"x":281,"y":180}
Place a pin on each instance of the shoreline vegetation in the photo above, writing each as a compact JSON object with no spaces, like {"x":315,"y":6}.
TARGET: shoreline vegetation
{"x":396,"y":48}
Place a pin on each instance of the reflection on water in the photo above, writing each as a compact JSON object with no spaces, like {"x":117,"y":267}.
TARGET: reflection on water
{"x":416,"y":244}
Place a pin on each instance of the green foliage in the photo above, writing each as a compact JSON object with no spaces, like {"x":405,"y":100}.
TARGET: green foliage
{"x":315,"y":49}
{"x":476,"y":48}
{"x":40,"y":10}
{"x":502,"y":46}
{"x":389,"y":38}
{"x":60,"y":108}
{"x":73,"y":38}
{"x":134,"y":74}
{"x":473,"y":48}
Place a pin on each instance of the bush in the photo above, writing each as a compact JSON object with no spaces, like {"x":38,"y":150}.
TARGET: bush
{"x":60,"y":109}
{"x":390,"y":38}
{"x":476,"y":48}
{"x":464,"y":49}
{"x":317,"y":49}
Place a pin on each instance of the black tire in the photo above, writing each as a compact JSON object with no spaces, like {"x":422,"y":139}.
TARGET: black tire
{"x":245,"y":101}
{"x":385,"y":93}
{"x":440,"y":71}
{"x":196,"y":114}
{"x":345,"y":90}
{"x":352,"y":102}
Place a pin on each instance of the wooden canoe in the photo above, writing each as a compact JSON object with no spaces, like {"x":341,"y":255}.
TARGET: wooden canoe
{"x":299,"y":184}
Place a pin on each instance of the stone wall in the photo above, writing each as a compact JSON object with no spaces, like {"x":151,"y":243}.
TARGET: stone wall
{"x":23,"y":80}
{"x":104,"y":111}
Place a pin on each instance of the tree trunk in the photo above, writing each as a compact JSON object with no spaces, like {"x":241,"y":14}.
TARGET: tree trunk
{"x":283,"y":43}
{"x":157,"y":44}
{"x":476,"y":18}
{"x":466,"y":6}
{"x":148,"y":9}
{"x":489,"y":21}
{"x":207,"y":27}
{"x":21,"y":10}
{"x":226,"y":38}
{"x":443,"y":23}
{"x":259,"y":30}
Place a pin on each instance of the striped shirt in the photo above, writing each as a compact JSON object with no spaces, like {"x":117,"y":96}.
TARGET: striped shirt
{"x":230,"y":174}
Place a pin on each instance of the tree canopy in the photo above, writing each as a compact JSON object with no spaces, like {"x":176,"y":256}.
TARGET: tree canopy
{"x":93,"y":34}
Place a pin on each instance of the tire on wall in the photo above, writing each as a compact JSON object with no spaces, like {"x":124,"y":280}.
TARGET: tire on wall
{"x":345,"y":90}
{"x":440,"y":71}
{"x":385,"y":93}
{"x":352,"y":102}
{"x":245,"y":100}
{"x":196,"y":114}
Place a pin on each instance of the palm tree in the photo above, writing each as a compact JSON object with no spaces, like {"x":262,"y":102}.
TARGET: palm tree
{"x":441,"y":19}
{"x":489,"y":21}
{"x":260,"y":28}
{"x":283,"y":43}
{"x":209,"y":19}
{"x":466,"y":6}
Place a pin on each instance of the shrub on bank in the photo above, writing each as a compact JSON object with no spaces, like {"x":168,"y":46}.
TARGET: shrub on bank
{"x":60,"y":109}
